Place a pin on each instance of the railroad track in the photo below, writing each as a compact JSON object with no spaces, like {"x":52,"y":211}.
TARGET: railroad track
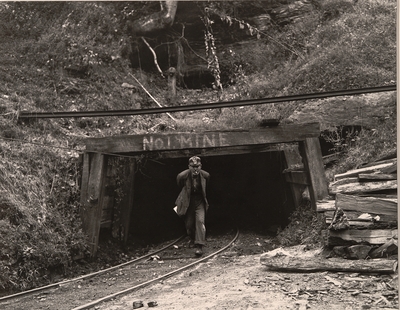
{"x":87,"y":291}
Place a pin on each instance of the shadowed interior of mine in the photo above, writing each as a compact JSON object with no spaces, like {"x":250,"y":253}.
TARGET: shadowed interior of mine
{"x":246,"y":191}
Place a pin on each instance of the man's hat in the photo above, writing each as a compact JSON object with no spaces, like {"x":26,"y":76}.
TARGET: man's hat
{"x":195,"y":160}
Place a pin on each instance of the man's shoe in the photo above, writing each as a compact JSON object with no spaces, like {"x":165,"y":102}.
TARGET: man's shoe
{"x":199,"y":251}
{"x":191,"y":244}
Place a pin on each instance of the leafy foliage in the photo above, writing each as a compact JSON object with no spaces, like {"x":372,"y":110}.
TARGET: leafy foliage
{"x":45,"y":221}
{"x":368,"y":144}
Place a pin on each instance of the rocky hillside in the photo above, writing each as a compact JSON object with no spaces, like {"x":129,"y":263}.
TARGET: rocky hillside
{"x":76,"y":56}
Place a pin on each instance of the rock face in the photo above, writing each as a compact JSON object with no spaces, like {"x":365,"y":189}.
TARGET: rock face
{"x":156,"y":21}
{"x":176,"y":33}
{"x":290,"y":11}
{"x":364,"y":111}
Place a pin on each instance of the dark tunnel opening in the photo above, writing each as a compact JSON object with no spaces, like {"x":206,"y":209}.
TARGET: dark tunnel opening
{"x":246,"y":191}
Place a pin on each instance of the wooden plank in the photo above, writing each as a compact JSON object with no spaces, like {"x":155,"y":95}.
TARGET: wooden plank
{"x":379,"y":195}
{"x":91,"y":198}
{"x":297,"y":177}
{"x":390,"y":159}
{"x":234,"y":150}
{"x":390,"y":169}
{"x":84,"y":199}
{"x":343,"y":181}
{"x":362,"y":177}
{"x":107,"y":212}
{"x":310,"y":150}
{"x":85,"y":178}
{"x":193,"y":140}
{"x":352,"y":236}
{"x":384,"y":219}
{"x":326,"y":205}
{"x":314,"y":264}
{"x":127,"y":205}
{"x":363,"y":187}
{"x":367,"y":204}
{"x":354,"y":224}
{"x":107,"y":216}
{"x":369,"y":169}
{"x":293,"y":158}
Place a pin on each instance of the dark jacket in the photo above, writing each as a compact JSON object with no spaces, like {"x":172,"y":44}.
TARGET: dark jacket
{"x":184,"y":181}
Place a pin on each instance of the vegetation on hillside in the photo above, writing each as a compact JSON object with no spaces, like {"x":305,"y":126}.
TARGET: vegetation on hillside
{"x":72,"y":56}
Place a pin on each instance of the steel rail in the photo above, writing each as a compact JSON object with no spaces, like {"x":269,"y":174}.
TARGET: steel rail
{"x":167,"y":275}
{"x":90,"y":275}
{"x":215,"y":105}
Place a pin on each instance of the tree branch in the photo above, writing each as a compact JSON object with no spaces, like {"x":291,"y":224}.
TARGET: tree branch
{"x":154,"y":55}
{"x":137,"y":81}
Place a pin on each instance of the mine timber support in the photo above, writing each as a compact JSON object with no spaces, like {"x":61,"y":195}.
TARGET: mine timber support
{"x":307,"y":156}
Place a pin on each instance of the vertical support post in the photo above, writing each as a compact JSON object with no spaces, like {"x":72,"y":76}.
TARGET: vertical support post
{"x":108,"y":196}
{"x":94,"y":166}
{"x":310,"y":151}
{"x":293,"y":159}
{"x":128,"y":202}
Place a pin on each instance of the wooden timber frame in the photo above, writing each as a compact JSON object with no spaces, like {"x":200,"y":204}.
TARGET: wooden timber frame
{"x":300,"y":174}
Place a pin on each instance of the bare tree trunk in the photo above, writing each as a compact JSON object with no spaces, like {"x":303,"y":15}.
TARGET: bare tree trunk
{"x":156,"y":21}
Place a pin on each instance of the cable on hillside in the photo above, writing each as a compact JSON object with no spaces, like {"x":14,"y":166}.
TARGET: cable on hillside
{"x":215,"y":105}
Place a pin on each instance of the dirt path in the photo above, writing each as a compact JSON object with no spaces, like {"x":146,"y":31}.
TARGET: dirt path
{"x":243,"y":283}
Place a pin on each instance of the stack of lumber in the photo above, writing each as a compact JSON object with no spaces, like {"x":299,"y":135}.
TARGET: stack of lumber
{"x":362,"y":215}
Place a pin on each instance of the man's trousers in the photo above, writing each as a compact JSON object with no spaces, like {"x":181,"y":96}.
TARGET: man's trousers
{"x":194,"y":222}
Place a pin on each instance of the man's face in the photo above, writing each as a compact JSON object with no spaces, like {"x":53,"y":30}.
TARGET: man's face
{"x":195,"y":169}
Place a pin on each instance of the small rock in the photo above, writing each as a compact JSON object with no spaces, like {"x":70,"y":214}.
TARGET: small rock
{"x":358,"y":251}
{"x":126,"y":85}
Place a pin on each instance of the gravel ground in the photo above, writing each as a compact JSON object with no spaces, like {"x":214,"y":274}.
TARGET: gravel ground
{"x":234,"y":279}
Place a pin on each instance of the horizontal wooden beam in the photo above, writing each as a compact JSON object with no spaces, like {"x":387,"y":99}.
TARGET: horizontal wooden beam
{"x":376,"y":236}
{"x":220,"y":151}
{"x":363,"y":187}
{"x":367,"y":204}
{"x":382,"y":176}
{"x":200,"y":140}
{"x":314,"y":264}
{"x":367,"y":169}
{"x":326,"y":205}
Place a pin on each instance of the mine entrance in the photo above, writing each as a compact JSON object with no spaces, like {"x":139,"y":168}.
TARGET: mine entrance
{"x":247,"y":191}
{"x":257,"y":178}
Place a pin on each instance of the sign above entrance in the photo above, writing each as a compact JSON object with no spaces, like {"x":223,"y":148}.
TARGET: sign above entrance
{"x":202,"y":140}
{"x":184,"y":141}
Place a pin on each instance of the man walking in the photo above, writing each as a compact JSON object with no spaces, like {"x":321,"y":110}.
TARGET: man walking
{"x":192,"y":202}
